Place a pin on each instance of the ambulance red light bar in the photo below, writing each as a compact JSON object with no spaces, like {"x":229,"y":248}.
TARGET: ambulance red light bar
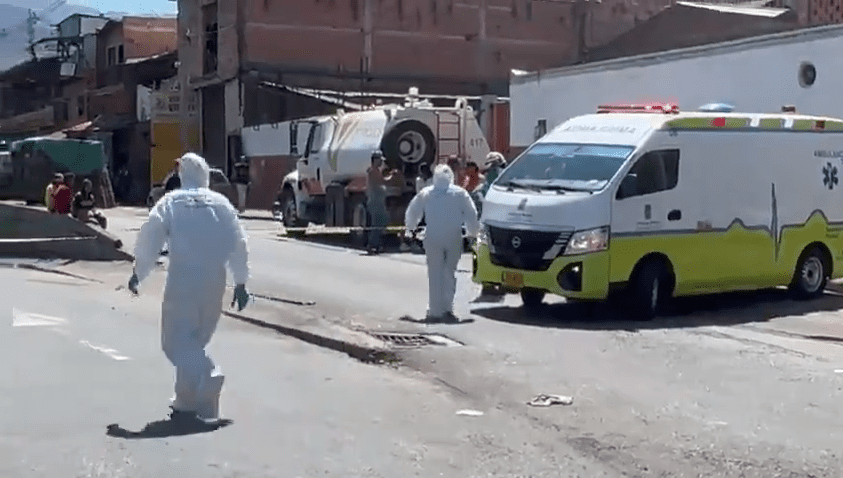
{"x":664,"y":108}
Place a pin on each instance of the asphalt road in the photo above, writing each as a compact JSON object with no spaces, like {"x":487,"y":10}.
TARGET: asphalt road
{"x":742,"y":385}
{"x":83,"y":377}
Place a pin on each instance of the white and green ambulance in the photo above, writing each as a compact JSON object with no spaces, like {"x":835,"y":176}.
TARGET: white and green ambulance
{"x":661,"y":203}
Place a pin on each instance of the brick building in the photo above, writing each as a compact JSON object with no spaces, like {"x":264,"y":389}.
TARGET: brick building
{"x":230,"y":51}
{"x":133,"y":54}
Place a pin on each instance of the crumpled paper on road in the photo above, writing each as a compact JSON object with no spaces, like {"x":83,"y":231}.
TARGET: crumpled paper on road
{"x":548,"y":400}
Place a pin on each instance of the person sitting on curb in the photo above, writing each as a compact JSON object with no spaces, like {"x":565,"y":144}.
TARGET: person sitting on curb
{"x":49,"y":195}
{"x":84,"y":203}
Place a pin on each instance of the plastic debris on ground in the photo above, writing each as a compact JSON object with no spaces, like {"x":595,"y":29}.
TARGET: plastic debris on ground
{"x":549,"y":400}
{"x":470,"y":413}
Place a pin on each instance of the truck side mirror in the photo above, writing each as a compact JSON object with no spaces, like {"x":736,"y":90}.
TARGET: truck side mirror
{"x":629,"y":186}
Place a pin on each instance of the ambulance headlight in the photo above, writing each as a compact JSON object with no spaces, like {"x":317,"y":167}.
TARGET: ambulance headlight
{"x":483,"y":236}
{"x":592,"y":240}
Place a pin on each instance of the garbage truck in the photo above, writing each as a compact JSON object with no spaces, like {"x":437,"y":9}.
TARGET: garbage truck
{"x":328,"y":185}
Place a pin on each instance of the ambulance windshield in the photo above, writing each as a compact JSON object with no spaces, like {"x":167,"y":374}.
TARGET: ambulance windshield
{"x":565,"y":167}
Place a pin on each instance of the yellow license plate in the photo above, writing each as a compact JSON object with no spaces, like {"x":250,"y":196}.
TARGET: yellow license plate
{"x":513,"y":279}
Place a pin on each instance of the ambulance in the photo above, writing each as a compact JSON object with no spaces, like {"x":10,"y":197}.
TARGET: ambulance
{"x":657,"y":203}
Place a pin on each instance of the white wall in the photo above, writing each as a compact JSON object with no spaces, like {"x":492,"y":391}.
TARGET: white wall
{"x":761,"y":79}
{"x":91,"y":25}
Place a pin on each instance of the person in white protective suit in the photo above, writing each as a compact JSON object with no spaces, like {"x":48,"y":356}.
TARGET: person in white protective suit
{"x":204,"y":235}
{"x":445,"y":207}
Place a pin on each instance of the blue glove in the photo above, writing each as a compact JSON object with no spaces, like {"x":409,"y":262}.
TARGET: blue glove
{"x":240,"y":296}
{"x":134,"y":282}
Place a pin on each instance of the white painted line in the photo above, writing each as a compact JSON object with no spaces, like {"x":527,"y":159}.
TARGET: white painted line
{"x":111,"y":353}
{"x":26,"y":319}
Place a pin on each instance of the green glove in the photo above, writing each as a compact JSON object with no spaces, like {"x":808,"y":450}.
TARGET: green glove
{"x":134,"y":282}
{"x":240,"y":296}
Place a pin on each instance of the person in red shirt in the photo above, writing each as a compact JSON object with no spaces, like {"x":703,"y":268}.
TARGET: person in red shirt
{"x":62,"y":198}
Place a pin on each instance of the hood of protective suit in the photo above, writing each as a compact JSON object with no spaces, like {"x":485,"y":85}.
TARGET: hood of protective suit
{"x":194,"y":172}
{"x":443,"y":178}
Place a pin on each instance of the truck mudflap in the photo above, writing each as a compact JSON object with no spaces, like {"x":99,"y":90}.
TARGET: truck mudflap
{"x":582,"y":277}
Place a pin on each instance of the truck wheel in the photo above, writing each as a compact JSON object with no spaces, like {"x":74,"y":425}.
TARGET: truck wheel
{"x":289,"y":214}
{"x":532,"y":299}
{"x":409,"y":142}
{"x":811,"y":274}
{"x":648,"y":290}
{"x":359,"y":219}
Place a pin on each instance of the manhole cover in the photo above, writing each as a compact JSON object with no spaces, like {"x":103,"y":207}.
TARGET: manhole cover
{"x":414,"y":340}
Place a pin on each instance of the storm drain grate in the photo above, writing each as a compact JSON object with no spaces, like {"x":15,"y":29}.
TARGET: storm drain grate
{"x":414,"y":340}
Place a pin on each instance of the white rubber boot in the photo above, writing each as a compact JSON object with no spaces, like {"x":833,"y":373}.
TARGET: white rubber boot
{"x":209,"y":408}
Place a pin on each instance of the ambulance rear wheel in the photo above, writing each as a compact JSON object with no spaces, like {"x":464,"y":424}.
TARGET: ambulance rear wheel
{"x":811,"y":276}
{"x":649,"y":290}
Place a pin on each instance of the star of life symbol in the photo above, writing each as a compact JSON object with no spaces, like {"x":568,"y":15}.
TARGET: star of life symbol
{"x":830,"y":175}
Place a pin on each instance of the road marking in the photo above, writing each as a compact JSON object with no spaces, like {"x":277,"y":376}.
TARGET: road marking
{"x":26,"y":319}
{"x":111,"y":353}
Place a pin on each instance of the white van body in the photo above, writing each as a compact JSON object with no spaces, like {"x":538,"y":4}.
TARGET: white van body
{"x":721,"y":201}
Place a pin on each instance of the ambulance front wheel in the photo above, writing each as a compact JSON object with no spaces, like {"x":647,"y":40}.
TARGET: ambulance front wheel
{"x":532,"y":299}
{"x":811,"y":275}
{"x":649,"y":290}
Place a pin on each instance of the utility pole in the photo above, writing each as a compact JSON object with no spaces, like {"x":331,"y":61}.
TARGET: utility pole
{"x":31,"y":20}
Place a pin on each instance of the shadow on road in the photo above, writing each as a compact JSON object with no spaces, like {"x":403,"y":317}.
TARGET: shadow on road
{"x":391,"y":243}
{"x":166,"y":428}
{"x":413,"y":320}
{"x":721,"y":309}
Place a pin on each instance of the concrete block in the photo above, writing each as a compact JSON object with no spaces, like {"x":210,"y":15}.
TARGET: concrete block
{"x":33,"y":232}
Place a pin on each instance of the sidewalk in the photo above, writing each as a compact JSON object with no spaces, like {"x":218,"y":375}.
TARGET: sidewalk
{"x":299,"y":320}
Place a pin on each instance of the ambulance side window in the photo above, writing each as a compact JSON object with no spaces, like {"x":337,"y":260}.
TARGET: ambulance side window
{"x":654,"y":172}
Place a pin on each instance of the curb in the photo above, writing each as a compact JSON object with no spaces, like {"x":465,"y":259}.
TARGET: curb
{"x":47,"y":270}
{"x":835,"y":286}
{"x":364,"y":353}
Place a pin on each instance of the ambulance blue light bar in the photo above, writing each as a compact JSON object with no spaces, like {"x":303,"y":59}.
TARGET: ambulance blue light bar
{"x":663,"y":108}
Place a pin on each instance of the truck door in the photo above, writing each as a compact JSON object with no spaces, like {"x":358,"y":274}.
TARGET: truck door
{"x":299,"y":140}
{"x":652,"y":212}
{"x":316,"y":154}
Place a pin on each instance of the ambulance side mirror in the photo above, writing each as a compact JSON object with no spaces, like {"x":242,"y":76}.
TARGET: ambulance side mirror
{"x":628,"y":187}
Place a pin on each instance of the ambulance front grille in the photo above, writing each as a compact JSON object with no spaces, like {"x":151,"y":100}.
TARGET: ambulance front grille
{"x":525,"y":249}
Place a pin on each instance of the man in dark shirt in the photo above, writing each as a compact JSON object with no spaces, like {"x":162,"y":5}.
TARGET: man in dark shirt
{"x":84,"y":203}
{"x":173,"y":183}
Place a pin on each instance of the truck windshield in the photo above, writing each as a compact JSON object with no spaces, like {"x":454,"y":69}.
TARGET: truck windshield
{"x":565,"y":167}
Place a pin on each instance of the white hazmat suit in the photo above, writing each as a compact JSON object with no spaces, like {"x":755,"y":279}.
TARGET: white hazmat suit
{"x":445,"y":207}
{"x":204,"y":235}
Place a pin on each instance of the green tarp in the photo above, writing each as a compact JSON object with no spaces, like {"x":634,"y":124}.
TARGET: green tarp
{"x":36,"y":160}
{"x":76,"y":156}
